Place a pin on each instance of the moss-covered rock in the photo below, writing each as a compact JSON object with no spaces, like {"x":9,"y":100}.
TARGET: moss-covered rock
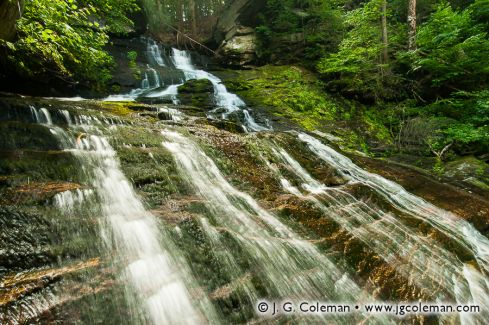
{"x":198,"y":93}
{"x":295,"y":97}
{"x":469,"y":169}
{"x":193,"y":86}
{"x":17,"y":135}
{"x":32,"y":165}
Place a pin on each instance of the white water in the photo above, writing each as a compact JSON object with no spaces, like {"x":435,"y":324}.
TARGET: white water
{"x":151,"y":84}
{"x":156,"y":277}
{"x":455,"y":227}
{"x":41,"y":116}
{"x":134,"y":234}
{"x":154,"y":52}
{"x":290,"y":267}
{"x":416,"y":256}
{"x":175,"y":114}
{"x":151,"y":79}
{"x":69,"y":200}
{"x":170,"y":92}
{"x":224,"y":99}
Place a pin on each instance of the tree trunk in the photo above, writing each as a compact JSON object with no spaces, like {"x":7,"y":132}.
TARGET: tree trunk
{"x":385,"y":40}
{"x":10,"y":11}
{"x":193,"y":12}
{"x":179,"y":12}
{"x":412,"y":25}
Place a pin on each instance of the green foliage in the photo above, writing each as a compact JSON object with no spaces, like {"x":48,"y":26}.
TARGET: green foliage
{"x":444,"y":80}
{"x":480,"y":12}
{"x":132,"y":56}
{"x":290,"y":92}
{"x":298,"y":95}
{"x":467,"y":121}
{"x":469,"y":107}
{"x":452,"y":51}
{"x":302,"y":24}
{"x":357,"y":67}
{"x":114,"y":13}
{"x":65,"y":38}
{"x":467,"y":134}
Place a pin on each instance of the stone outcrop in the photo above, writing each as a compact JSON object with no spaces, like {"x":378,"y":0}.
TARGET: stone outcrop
{"x":234,"y":32}
{"x":10,"y":11}
{"x":240,"y":49}
{"x":198,"y":93}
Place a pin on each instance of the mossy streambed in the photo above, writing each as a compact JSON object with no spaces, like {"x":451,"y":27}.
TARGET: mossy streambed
{"x":55,"y":263}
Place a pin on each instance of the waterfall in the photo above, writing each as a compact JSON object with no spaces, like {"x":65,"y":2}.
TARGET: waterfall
{"x":456,"y":228}
{"x":291,"y":267}
{"x":41,"y":116}
{"x":154,"y":53}
{"x":226,"y":103}
{"x":135,"y":237}
{"x":344,"y":252}
{"x":145,"y":81}
{"x":170,"y":92}
{"x":419,"y":258}
{"x":224,"y":99}
{"x":156,"y":275}
{"x":151,"y":79}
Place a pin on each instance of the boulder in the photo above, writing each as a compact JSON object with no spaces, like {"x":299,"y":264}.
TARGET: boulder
{"x":238,"y":13}
{"x":239,"y":50}
{"x":194,"y":86}
{"x":165,"y":116}
{"x":234,"y":33}
{"x":198,"y":93}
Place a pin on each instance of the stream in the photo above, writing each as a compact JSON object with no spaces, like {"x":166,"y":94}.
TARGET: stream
{"x":110,"y":217}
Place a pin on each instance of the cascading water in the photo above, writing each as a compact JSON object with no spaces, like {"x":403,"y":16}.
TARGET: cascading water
{"x":154,"y":53}
{"x":156,"y":275}
{"x":262,"y":256}
{"x":290,"y":266}
{"x":224,"y":100}
{"x":456,"y":228}
{"x":152,"y":86}
{"x":419,"y":258}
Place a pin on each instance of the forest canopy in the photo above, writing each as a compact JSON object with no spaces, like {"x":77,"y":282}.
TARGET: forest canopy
{"x":66,"y":37}
{"x":406,"y":58}
{"x":410,"y":59}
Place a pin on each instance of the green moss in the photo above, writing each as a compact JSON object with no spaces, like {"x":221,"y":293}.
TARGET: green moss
{"x":469,"y":169}
{"x":19,"y":135}
{"x":196,"y":86}
{"x":136,"y":72}
{"x":137,"y":136}
{"x":289,"y":91}
{"x":376,"y":126}
{"x":117,"y":108}
{"x":38,"y":166}
{"x":155,"y":176}
{"x":198,"y":93}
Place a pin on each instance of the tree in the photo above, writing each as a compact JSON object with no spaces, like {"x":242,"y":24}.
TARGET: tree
{"x":360,"y":65}
{"x":193,"y":15}
{"x":385,"y":39}
{"x":412,"y":25}
{"x":452,"y":52}
{"x":65,"y":38}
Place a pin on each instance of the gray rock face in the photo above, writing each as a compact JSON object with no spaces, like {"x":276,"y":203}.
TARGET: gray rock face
{"x":239,"y":49}
{"x":10,"y":11}
{"x":234,"y":32}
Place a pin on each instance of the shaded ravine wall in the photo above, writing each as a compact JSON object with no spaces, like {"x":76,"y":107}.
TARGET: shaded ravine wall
{"x":10,"y":11}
